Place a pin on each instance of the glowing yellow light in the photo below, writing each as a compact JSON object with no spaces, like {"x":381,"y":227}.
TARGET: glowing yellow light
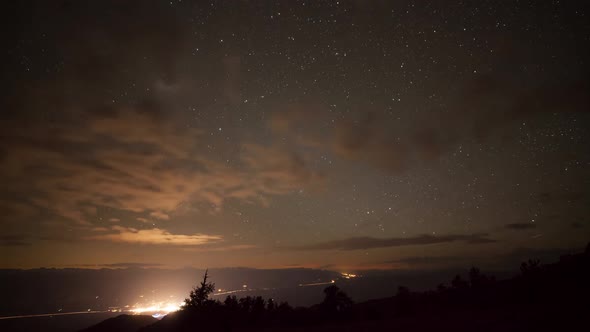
{"x":348,"y":275}
{"x":161,"y":307}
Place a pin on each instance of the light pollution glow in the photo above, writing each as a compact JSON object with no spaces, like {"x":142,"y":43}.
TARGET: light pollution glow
{"x":158,"y":309}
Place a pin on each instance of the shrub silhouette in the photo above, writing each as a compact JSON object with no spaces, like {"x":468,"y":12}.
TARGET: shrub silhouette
{"x":335,"y":300}
{"x":231,"y":303}
{"x":458,"y":283}
{"x":403,"y":300}
{"x":246,"y":303}
{"x":441,"y":288}
{"x":270,"y":305}
{"x":530,"y":268}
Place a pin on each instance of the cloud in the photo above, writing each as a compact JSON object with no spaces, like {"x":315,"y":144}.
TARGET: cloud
{"x":563,"y":197}
{"x":119,"y":266}
{"x":216,"y":248}
{"x":577,"y":225}
{"x":132,"y":265}
{"x":362,"y":243}
{"x":283,"y":168}
{"x":110,"y":129}
{"x":510,"y":258}
{"x":155,"y":236}
{"x":520,"y":226}
{"x":160,"y":215}
{"x":419,"y":260}
{"x":431,"y":261}
{"x":546,"y":255}
{"x":14,"y":241}
{"x":482,"y":106}
{"x":132,"y":161}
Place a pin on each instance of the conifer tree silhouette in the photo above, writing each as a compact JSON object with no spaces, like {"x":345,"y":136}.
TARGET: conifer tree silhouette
{"x":199,"y":296}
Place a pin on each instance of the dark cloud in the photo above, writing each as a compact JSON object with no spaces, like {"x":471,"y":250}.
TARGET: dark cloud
{"x":561,"y":197}
{"x":510,"y":259}
{"x":14,"y":241}
{"x":420,"y":259}
{"x":106,"y":53}
{"x":520,"y":226}
{"x":482,"y":106}
{"x":121,"y":266}
{"x":361,"y":243}
{"x":545,"y":255}
{"x":133,"y":265}
{"x":106,"y":125}
{"x":427,"y":260}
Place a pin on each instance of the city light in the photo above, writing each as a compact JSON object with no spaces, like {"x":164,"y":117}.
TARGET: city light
{"x":161,"y":308}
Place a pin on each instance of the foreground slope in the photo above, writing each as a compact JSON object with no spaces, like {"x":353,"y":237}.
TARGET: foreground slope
{"x":549,"y":297}
{"x":122,"y":323}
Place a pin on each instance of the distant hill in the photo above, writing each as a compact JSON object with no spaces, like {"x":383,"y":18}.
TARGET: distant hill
{"x":551,"y":297}
{"x":41,"y":291}
{"x":122,"y":323}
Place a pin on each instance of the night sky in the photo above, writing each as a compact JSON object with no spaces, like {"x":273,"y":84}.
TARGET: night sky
{"x":272,"y":134}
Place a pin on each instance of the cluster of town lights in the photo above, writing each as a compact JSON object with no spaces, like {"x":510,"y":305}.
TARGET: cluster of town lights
{"x":161,"y":308}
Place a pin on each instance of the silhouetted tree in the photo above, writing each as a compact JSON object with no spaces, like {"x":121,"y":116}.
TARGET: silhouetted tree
{"x":199,"y":296}
{"x":459,"y":283}
{"x":270,"y":305}
{"x":246,"y":303}
{"x":336,"y":300}
{"x":258,"y":305}
{"x":284,"y":307}
{"x":403,"y":291}
{"x":478,"y":279}
{"x":529,"y":268}
{"x":231,"y":302}
{"x":403,"y":299}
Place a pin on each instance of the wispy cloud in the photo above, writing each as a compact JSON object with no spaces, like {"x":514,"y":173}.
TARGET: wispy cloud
{"x":120,"y":265}
{"x":156,"y":236}
{"x":520,"y":226}
{"x":430,"y":261}
{"x":135,"y":162}
{"x":136,"y":153}
{"x":132,"y":265}
{"x":361,"y":243}
{"x":160,"y":215}
{"x":216,"y":248}
{"x":13,"y":241}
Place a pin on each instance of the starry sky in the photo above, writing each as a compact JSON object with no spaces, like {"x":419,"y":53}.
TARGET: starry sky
{"x":345,"y":135}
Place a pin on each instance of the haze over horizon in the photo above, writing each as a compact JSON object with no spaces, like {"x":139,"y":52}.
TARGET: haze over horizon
{"x":338,"y":135}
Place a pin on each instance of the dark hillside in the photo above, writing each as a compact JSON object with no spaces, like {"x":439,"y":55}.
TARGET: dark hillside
{"x":122,"y":323}
{"x":542,"y":298}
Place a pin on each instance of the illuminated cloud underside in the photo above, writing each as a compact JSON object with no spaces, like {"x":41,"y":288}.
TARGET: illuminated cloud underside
{"x":156,"y":236}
